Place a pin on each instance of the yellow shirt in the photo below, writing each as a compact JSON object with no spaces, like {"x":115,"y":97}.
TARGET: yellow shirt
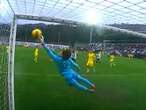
{"x":112,"y":57}
{"x":36,"y":52}
{"x":91,"y":56}
{"x":91,"y":59}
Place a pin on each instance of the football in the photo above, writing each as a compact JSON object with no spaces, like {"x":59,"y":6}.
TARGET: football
{"x":36,"y":33}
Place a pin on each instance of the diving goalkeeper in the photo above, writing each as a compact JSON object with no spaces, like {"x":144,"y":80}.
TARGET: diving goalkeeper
{"x":67,"y":69}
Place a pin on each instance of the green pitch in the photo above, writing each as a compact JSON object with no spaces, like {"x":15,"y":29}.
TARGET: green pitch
{"x":40,"y":87}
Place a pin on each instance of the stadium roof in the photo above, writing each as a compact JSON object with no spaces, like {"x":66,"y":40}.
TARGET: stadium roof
{"x":123,"y":14}
{"x":112,"y":11}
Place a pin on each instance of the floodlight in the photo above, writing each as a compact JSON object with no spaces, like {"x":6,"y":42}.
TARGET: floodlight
{"x":93,"y":17}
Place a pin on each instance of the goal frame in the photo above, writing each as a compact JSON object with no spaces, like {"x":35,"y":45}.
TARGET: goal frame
{"x":12,"y":41}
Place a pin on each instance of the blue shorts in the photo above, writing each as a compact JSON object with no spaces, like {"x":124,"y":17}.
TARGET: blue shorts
{"x":70,"y":76}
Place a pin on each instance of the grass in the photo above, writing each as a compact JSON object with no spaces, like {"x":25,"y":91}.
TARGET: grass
{"x":3,"y":78}
{"x":40,"y":87}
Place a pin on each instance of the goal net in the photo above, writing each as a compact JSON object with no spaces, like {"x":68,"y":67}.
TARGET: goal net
{"x":6,"y":17}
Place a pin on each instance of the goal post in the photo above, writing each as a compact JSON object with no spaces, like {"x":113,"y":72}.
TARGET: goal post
{"x":11,"y":57}
{"x":7,"y":47}
{"x":6,"y":27}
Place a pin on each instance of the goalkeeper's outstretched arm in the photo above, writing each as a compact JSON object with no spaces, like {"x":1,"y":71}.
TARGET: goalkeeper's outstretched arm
{"x":75,"y":64}
{"x":49,"y":51}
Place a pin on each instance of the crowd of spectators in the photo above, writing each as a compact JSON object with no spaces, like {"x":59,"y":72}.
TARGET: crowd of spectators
{"x":136,"y":49}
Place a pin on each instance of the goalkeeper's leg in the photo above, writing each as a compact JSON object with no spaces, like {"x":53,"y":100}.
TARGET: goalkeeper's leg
{"x":79,"y":86}
{"x":86,"y":81}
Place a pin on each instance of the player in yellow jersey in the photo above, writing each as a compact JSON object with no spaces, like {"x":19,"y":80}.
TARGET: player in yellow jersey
{"x":36,"y":55}
{"x":112,"y":60}
{"x":91,"y":61}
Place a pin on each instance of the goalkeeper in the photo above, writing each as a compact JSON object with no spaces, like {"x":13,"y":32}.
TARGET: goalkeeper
{"x":66,"y":67}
